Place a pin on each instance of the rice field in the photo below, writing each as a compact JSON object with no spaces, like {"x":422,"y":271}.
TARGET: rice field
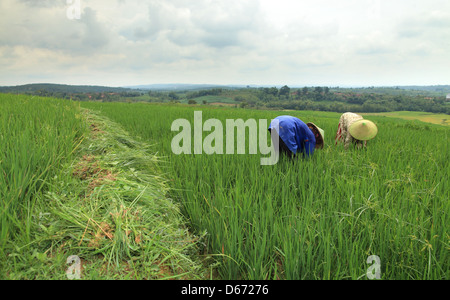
{"x":36,"y":136}
{"x":327,"y":217}
{"x":319,"y":218}
{"x":440,"y":119}
{"x":78,"y":193}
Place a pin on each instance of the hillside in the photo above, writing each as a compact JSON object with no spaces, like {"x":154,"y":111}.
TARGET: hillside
{"x":61,"y":88}
{"x":178,"y":87}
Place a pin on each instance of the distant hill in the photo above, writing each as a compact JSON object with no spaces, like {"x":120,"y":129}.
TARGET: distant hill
{"x":58,"y":89}
{"x":61,"y":88}
{"x":434,"y":88}
{"x":441,"y":89}
{"x":176,"y":87}
{"x":77,"y":89}
{"x":181,"y":87}
{"x":411,"y":90}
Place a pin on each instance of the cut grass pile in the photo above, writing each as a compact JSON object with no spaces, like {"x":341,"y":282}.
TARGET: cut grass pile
{"x":123,"y":216}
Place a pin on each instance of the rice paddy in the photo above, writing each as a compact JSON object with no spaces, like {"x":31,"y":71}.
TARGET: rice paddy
{"x":36,"y":136}
{"x":316,"y":218}
{"x":440,"y":119}
{"x":319,"y":218}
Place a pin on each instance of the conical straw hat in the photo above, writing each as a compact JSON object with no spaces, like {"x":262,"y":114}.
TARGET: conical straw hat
{"x":363,"y":130}
{"x":321,"y":131}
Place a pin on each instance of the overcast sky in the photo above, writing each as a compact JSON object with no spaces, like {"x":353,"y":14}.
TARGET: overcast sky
{"x":250,"y":42}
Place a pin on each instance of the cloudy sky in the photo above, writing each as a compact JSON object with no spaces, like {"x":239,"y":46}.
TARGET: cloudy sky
{"x":254,"y":42}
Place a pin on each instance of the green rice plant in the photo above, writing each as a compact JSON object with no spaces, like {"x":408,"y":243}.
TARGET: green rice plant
{"x":317,"y":218}
{"x":36,"y":135}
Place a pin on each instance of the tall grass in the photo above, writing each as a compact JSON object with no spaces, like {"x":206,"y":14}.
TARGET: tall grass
{"x":319,"y":218}
{"x":74,"y":183}
{"x":36,"y":135}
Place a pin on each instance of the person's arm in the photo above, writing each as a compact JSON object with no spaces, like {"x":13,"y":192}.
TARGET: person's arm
{"x":308,"y":140}
{"x":309,"y":147}
{"x":338,"y":134}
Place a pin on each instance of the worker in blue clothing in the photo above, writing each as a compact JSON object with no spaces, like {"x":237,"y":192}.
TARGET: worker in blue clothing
{"x":296,"y":137}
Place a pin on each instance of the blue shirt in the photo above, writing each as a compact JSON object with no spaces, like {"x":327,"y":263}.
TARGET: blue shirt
{"x":296,"y":135}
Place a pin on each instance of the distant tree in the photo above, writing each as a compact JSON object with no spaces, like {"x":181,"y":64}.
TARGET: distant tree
{"x":318,"y":93}
{"x":318,"y":89}
{"x":192,"y":102}
{"x":239,"y":98}
{"x":305,"y":90}
{"x":285,"y":91}
{"x":243,"y":104}
{"x":272,"y":91}
{"x":173,"y":96}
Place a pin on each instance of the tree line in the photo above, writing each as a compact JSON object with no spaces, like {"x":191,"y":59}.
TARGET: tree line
{"x":326,"y":99}
{"x":306,"y":98}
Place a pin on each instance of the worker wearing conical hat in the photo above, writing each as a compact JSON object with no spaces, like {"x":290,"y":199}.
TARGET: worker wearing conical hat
{"x":297,"y":137}
{"x":354,"y":129}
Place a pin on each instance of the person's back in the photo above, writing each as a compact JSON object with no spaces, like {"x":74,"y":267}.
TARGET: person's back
{"x":296,"y":136}
{"x":344,"y":133}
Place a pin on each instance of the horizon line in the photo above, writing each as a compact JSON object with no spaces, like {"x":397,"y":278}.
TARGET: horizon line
{"x":136,"y":86}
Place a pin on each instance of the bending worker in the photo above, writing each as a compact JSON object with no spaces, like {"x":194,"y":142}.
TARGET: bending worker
{"x":296,"y":137}
{"x":353,"y":129}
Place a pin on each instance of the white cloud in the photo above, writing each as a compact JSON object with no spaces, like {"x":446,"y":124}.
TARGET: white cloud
{"x":125,"y":42}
